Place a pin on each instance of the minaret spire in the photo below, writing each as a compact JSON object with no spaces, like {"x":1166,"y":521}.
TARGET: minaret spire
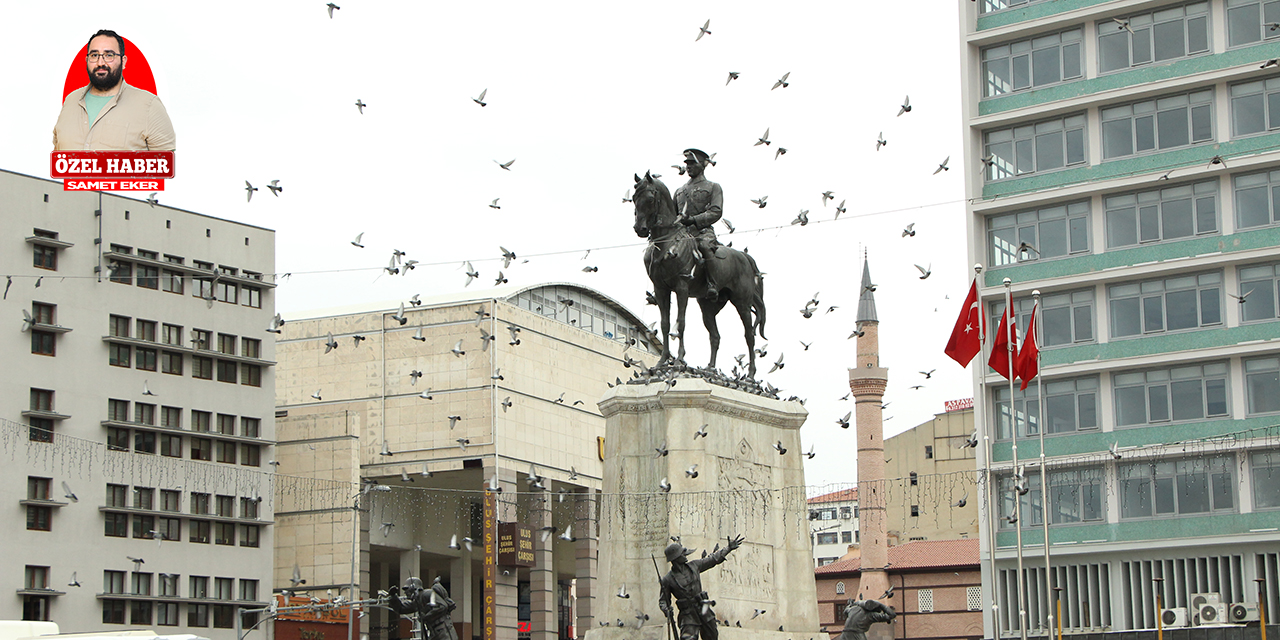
{"x":867,"y":300}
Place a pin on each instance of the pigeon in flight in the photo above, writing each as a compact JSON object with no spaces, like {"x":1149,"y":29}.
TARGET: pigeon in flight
{"x":733,"y":75}
{"x":664,"y":486}
{"x":275,"y":188}
{"x":782,"y":151}
{"x":844,"y":422}
{"x":802,"y":218}
{"x":507,"y":257}
{"x":704,"y":30}
{"x":151,"y":199}
{"x":1114,"y":448}
{"x":463,"y":442}
{"x":971,"y":442}
{"x":330,"y":344}
{"x":359,"y":238}
{"x":782,"y":451}
{"x":74,"y":582}
{"x":249,"y":189}
{"x":888,"y":593}
{"x":728,"y":225}
{"x":928,"y":374}
{"x":1122,"y":25}
{"x":701,"y":432}
{"x":67,"y":493}
{"x":146,"y":390}
{"x":360,"y":105}
{"x":764,"y":139}
{"x":692,"y":472}
{"x":331,"y":6}
{"x":413,"y":377}
{"x":1239,"y":299}
{"x":480,"y":100}
{"x":418,"y":336}
{"x":909,"y":230}
{"x":426,"y":394}
{"x":662,"y":450}
{"x":514,"y":331}
{"x":762,"y":202}
{"x":506,"y":165}
{"x":297,"y":576}
{"x":757,"y":613}
{"x":316,"y":395}
{"x":942,"y":167}
{"x":806,"y":345}
{"x":827,"y":195}
{"x":501,"y":279}
{"x":1274,"y":62}
{"x":399,"y":316}
{"x":880,"y":141}
{"x":457,"y":349}
{"x":961,"y":502}
{"x":506,"y":404}
{"x":472,"y":274}
{"x":494,"y":204}
{"x":779,"y":364}
{"x":782,"y":82}
{"x":924,"y":273}
{"x":622,"y":591}
{"x":1217,"y":160}
{"x":906,"y":106}
{"x":839,"y":210}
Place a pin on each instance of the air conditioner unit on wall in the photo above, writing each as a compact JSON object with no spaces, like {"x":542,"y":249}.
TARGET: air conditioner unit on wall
{"x":1200,"y":599}
{"x":1244,"y":612}
{"x":1213,"y":613}
{"x":1175,"y":617}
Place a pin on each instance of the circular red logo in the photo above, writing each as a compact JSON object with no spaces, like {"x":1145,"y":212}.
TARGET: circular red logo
{"x":137,"y":72}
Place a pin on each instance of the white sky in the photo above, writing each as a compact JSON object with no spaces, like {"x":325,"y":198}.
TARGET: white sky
{"x":583,"y":95}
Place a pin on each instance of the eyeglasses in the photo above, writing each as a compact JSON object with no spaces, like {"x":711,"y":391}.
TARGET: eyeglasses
{"x":109,"y":56}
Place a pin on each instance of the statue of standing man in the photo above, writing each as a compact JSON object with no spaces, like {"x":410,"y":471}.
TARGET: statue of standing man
{"x":861,"y":614}
{"x":700,"y":203}
{"x":684,"y":582}
{"x":432,"y":607}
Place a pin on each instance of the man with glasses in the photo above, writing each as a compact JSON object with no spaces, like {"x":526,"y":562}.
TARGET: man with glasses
{"x":109,"y":114}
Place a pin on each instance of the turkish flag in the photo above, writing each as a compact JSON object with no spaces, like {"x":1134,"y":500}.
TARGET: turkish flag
{"x":1025,"y":365}
{"x":1000,"y":350}
{"x":968,"y":334}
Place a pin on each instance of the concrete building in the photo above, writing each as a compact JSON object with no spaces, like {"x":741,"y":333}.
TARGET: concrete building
{"x":936,"y":590}
{"x":433,"y":405}
{"x":1125,"y":163}
{"x":929,"y":473}
{"x":833,"y":525}
{"x":137,"y":416}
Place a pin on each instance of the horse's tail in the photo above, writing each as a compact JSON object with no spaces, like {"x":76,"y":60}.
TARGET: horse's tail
{"x":757,"y":300}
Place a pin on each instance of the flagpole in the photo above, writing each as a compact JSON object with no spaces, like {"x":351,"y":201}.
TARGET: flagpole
{"x":1013,"y":423}
{"x":980,"y":420}
{"x":1044,"y":473}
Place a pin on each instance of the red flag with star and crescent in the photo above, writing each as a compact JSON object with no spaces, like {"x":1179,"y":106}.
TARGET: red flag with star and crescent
{"x":969,"y":332}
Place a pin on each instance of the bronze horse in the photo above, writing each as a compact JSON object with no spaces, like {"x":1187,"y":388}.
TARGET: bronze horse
{"x":672,"y":254}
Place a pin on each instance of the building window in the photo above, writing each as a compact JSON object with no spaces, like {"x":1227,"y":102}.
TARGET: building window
{"x":973,"y":598}
{"x":144,"y":441}
{"x":171,"y":417}
{"x":1072,"y":405}
{"x":226,"y":371}
{"x":1266,"y":479}
{"x":202,"y":286}
{"x":201,"y":449}
{"x":1035,"y":148}
{"x":170,"y":446}
{"x":248,"y":508}
{"x":1032,"y":63}
{"x":251,"y":375}
{"x":144,"y":413}
{"x":200,"y":504}
{"x":251,"y":427}
{"x":118,"y":410}
{"x":113,"y":582}
{"x":201,"y":339}
{"x":987,"y":6}
{"x":249,"y":535}
{"x":924,"y":600}
{"x":44,"y":257}
{"x":822,"y":562}
{"x":1258,"y":287}
{"x":846,"y":513}
{"x":170,"y":529}
{"x":252,"y":297}
{"x":141,"y":584}
{"x":1052,"y":232}
{"x":171,"y":334}
{"x":1030,"y":504}
{"x":200,"y":531}
{"x":1255,"y":107}
{"x":117,"y":495}
{"x":1257,"y":199}
{"x":223,"y":616}
{"x":201,"y":421}
{"x":167,"y":614}
{"x":226,"y":291}
{"x":171,"y":280}
{"x":1182,"y":393}
{"x":201,"y":368}
{"x":226,"y":344}
{"x":199,"y":587}
{"x":839,"y":588}
{"x":928,"y":453}
{"x":248,"y":590}
{"x":36,"y":577}
{"x":121,"y":271}
{"x":1249,"y":21}
{"x":226,"y":506}
{"x":1172,"y":304}
{"x":146,"y":359}
{"x":914,"y":477}
{"x":39,"y":518}
{"x":846,"y":537}
{"x":41,"y":400}
{"x":117,"y":525}
{"x":119,"y":326}
{"x":41,"y":429}
{"x":169,"y":584}
{"x":43,"y":343}
{"x":226,"y":451}
{"x":120,"y":355}
{"x":1159,"y":124}
{"x":1075,"y":495}
{"x":828,"y":538}
{"x":38,"y":488}
{"x":171,"y":362}
{"x":1162,"y":214}
{"x":250,"y":455}
{"x":226,"y":424}
{"x":1169,"y":488}
{"x":117,"y":439}
{"x":251,"y":348}
{"x":224,"y":533}
{"x":827,"y":514}
{"x":841,"y":609}
{"x":1262,"y":385}
{"x":170,"y":500}
{"x":148,"y":276}
{"x":197,"y":615}
{"x":146,"y":330}
{"x":113,"y":611}
{"x":1166,"y":34}
{"x":1065,"y":318}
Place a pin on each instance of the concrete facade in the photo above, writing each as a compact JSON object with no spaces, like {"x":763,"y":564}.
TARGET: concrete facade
{"x":930,"y":472}
{"x":124,"y":438}
{"x":357,"y":415}
{"x":1160,"y":377}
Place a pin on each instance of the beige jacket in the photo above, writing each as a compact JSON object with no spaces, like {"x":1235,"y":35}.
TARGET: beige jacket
{"x":133,"y":120}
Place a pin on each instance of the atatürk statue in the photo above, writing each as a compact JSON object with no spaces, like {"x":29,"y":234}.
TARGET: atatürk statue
{"x":684,"y":582}
{"x":861,"y":614}
{"x":432,"y":607}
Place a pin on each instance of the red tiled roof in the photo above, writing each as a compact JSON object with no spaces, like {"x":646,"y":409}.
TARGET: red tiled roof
{"x":923,"y":554}
{"x":843,"y":495}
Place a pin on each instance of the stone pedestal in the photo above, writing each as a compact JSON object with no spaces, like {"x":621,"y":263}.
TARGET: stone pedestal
{"x":744,"y":487}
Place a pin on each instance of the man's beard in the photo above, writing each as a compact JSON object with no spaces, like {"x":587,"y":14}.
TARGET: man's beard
{"x":108,"y":81}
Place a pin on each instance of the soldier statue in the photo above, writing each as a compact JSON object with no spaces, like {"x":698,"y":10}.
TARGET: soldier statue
{"x":861,"y":614}
{"x":700,"y":203}
{"x":432,"y":607}
{"x":684,"y":582}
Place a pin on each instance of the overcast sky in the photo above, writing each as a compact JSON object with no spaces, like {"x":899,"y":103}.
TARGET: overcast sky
{"x":582,"y":96}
